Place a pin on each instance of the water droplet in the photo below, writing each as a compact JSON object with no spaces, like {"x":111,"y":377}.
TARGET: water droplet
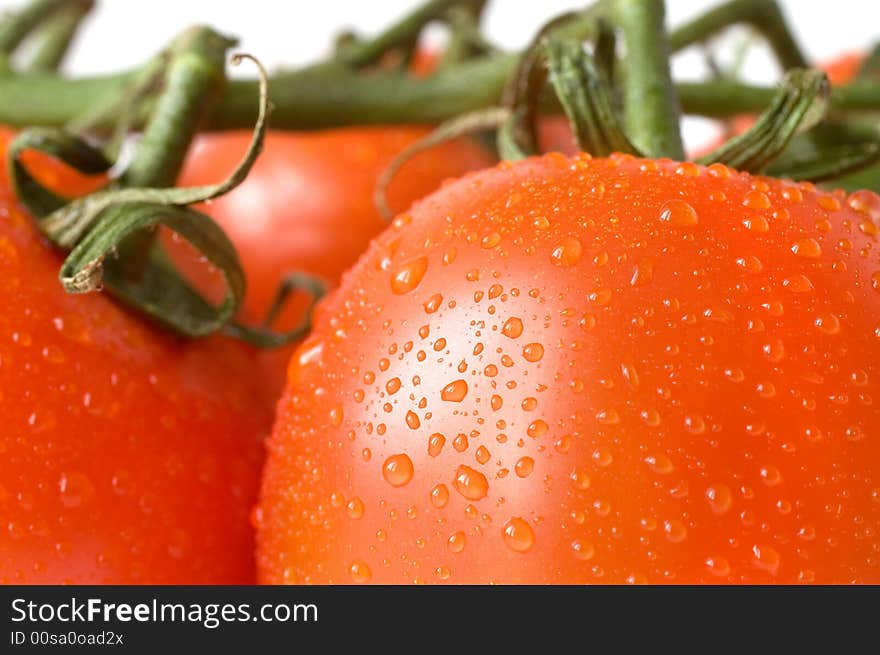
{"x":675,"y":531}
{"x":537,"y":428}
{"x":771,"y":476}
{"x":694,"y":423}
{"x":518,"y":535}
{"x":757,"y":224}
{"x":490,"y":240}
{"x":660,"y":464}
{"x":630,"y":374}
{"x":643,"y":273}
{"x":360,"y":572}
{"x":513,"y":327}
{"x":719,"y":497}
{"x":756,"y":200}
{"x":827,"y":323}
{"x":439,"y":496}
{"x":766,"y":558}
{"x":533,"y":352}
{"x":718,"y":566}
{"x":456,"y":542}
{"x":435,"y":444}
{"x":433,"y":303}
{"x":828,"y":202}
{"x":809,"y":248}
{"x":76,"y":489}
{"x":679,"y":213}
{"x":567,"y":252}
{"x":798,"y":284}
{"x":774,"y":351}
{"x":409,"y":275}
{"x":398,"y":470}
{"x":583,"y":550}
{"x":580,"y":479}
{"x":355,"y":508}
{"x":603,"y":457}
{"x":443,"y":572}
{"x":470,"y":483}
{"x":524,"y":466}
{"x":750,"y":263}
{"x":412,"y":420}
{"x":454,"y":392}
{"x":587,"y":322}
{"x":541,"y":223}
{"x":392,"y":386}
{"x":600,"y":297}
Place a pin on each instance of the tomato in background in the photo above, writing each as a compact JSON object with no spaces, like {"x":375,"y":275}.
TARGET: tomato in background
{"x":590,"y":371}
{"x":844,"y":68}
{"x":128,"y":456}
{"x":50,"y":172}
{"x":307,"y":204}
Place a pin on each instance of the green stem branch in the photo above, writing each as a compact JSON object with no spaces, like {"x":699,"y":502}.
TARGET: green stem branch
{"x":193,"y":82}
{"x":764,"y":16}
{"x":651,"y":109}
{"x":306,"y":100}
{"x":54,"y":37}
{"x":15,"y":26}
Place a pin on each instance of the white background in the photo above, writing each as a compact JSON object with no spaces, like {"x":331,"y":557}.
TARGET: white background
{"x":123,"y":33}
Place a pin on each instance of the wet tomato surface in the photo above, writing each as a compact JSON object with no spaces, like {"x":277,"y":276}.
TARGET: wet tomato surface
{"x":126,"y":455}
{"x":575,"y":370}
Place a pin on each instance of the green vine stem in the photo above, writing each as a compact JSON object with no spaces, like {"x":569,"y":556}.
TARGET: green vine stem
{"x":723,"y":98}
{"x":465,"y":39}
{"x":53,"y":38}
{"x":193,"y":82}
{"x":651,"y":109}
{"x":764,"y":16}
{"x":307,"y":100}
{"x":361,"y":53}
{"x":15,"y":26}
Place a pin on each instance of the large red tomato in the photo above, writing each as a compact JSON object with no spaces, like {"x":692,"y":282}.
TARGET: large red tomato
{"x":308,"y":203}
{"x":590,"y":370}
{"x":128,"y":456}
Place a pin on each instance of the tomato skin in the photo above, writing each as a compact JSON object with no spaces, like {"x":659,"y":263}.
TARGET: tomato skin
{"x":128,"y":456}
{"x":53,"y":174}
{"x":843,"y":69}
{"x":308,"y":204}
{"x":653,"y":372}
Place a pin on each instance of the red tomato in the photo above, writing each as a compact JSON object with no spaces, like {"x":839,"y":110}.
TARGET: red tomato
{"x":308,"y":203}
{"x":128,"y":456}
{"x":590,"y":370}
{"x":554,"y":135}
{"x":844,"y":68}
{"x":51,"y":173}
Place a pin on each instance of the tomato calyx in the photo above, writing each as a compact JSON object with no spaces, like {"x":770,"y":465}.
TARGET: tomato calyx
{"x":591,"y":94}
{"x":110,"y":234}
